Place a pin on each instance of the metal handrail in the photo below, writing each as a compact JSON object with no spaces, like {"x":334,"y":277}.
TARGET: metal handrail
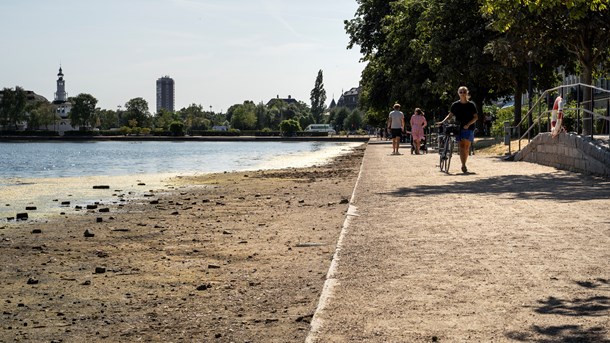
{"x":542,"y":96}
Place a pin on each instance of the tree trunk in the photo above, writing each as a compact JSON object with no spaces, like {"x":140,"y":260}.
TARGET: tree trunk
{"x":518,"y":98}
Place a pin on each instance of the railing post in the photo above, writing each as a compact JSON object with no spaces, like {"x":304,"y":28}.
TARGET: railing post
{"x":507,"y":135}
{"x":577,"y":108}
{"x":539,"y":119}
{"x":549,"y":108}
{"x":592,"y":114}
{"x":529,"y":96}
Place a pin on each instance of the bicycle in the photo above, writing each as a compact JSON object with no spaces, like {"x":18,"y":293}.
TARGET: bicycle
{"x":446,"y":144}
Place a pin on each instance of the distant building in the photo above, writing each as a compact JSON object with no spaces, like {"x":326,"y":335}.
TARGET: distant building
{"x":62,"y":106}
{"x":288,"y":100}
{"x":165,"y":94}
{"x":349,"y":99}
{"x":333,"y":104}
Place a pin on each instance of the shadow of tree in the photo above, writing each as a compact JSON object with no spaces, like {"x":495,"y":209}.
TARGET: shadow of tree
{"x":592,"y":306}
{"x":596,"y":306}
{"x":561,"y":334}
{"x":592,"y":285}
{"x":558,"y":186}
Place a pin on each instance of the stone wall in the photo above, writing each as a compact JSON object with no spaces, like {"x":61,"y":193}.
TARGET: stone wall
{"x":567,"y":151}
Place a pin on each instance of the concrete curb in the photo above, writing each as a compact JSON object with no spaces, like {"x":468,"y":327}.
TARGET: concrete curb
{"x":331,"y":280}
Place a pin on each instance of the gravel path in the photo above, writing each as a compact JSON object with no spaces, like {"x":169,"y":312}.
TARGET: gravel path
{"x":511,"y":252}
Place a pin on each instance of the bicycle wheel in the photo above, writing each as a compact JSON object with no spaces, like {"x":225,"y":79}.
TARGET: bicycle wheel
{"x":450,"y":146}
{"x":445,"y":154}
{"x":441,"y":152}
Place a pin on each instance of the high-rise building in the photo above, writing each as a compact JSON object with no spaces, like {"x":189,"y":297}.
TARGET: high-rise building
{"x":165,"y":93}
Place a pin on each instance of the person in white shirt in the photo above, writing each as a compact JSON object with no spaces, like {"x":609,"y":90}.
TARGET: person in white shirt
{"x":396,"y":125}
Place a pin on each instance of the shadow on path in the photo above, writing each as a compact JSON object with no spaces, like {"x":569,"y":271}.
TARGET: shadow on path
{"x":551,"y":186}
{"x":596,"y":306}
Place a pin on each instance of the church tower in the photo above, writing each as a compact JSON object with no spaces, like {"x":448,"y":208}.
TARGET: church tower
{"x":60,"y":96}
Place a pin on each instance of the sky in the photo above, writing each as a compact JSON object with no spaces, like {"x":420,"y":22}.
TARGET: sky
{"x":219,"y":52}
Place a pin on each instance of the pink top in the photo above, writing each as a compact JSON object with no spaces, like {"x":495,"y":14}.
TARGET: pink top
{"x":418,"y":122}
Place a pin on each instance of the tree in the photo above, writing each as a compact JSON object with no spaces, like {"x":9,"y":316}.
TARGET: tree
{"x":244,"y":116}
{"x":263,"y":117}
{"x":337,"y":118}
{"x":82,"y":113}
{"x":353,"y":121}
{"x":453,"y":46}
{"x":137,"y":110}
{"x":12,"y":106}
{"x":289,"y":127}
{"x":177,"y":128}
{"x":108,"y":119}
{"x":164,"y":118}
{"x":318,"y":98}
{"x":42,"y":114}
{"x":581,"y":26}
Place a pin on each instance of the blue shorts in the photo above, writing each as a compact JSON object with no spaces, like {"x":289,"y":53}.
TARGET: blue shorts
{"x":466,"y":134}
{"x":396,"y":133}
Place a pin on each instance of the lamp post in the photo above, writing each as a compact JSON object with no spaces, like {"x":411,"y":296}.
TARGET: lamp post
{"x":529,"y":93}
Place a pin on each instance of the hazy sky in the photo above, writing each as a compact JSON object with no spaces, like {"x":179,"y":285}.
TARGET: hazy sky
{"x":219,"y":52}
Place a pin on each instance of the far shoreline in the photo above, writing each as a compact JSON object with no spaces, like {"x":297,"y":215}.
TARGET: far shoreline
{"x":334,"y":138}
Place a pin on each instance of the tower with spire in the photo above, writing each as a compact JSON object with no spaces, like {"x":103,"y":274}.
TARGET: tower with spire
{"x":60,"y":95}
{"x":62,"y":105}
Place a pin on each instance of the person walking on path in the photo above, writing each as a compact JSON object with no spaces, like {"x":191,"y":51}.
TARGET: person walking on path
{"x":418,"y":123}
{"x":465,"y":112}
{"x":396,"y":124}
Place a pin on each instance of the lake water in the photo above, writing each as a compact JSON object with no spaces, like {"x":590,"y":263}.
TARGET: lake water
{"x":44,"y":174}
{"x":69,"y":159}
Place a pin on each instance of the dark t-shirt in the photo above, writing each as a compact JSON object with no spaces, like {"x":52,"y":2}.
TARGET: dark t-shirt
{"x":464,"y":113}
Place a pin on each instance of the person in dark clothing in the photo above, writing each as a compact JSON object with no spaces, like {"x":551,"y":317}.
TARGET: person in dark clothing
{"x":465,"y":113}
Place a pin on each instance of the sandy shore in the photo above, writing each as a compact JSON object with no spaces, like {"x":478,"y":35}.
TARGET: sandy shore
{"x":230,"y":257}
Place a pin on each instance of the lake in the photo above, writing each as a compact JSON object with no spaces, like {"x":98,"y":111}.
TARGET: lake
{"x":44,"y":174}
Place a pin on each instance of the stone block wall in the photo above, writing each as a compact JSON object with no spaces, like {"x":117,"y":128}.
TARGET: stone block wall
{"x":567,"y":151}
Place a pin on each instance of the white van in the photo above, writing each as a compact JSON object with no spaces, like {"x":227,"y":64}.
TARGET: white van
{"x":320,"y":128}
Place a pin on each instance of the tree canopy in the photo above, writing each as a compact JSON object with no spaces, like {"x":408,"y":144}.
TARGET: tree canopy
{"x":12,"y":106}
{"x":420,"y":51}
{"x":83,"y":112}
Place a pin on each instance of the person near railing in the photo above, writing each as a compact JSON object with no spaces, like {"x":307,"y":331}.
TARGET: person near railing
{"x":465,"y":113}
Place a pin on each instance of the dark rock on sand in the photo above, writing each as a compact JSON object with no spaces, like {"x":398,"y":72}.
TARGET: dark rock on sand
{"x":204,"y":287}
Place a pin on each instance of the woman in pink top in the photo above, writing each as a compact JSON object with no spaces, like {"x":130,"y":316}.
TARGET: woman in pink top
{"x":418,"y":122}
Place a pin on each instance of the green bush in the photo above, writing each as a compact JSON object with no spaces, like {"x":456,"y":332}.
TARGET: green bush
{"x":176,"y":128}
{"x":290,"y":127}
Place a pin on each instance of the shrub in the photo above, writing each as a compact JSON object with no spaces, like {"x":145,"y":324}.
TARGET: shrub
{"x":176,"y":128}
{"x":289,"y":127}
